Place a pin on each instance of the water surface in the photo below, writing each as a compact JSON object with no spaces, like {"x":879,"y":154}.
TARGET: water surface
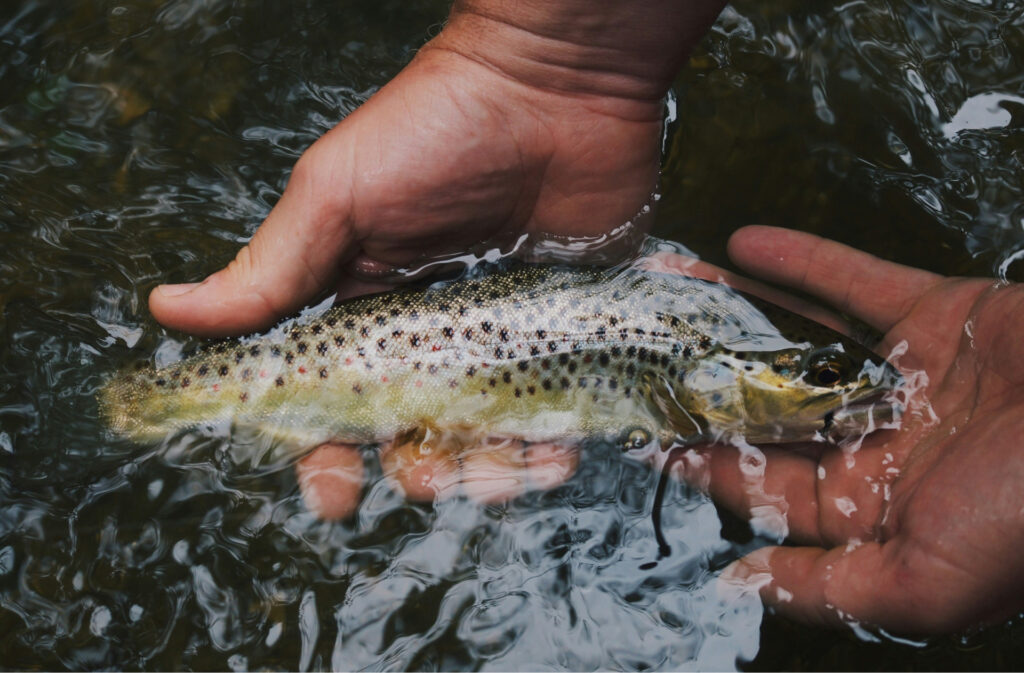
{"x":142,"y":142}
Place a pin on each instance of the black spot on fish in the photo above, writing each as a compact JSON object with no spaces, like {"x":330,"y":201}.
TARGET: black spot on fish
{"x":357,"y":389}
{"x":432,"y":369}
{"x":582,"y":382}
{"x":467,"y":334}
{"x":381,"y":320}
{"x":603,"y":359}
{"x":223,"y":371}
{"x":279,"y":381}
{"x":302,"y":347}
{"x":364,"y":331}
{"x":397,"y":333}
{"x":382,"y":343}
{"x":546,"y":384}
{"x":642,"y":353}
{"x":332,"y":321}
{"x":503,"y":334}
{"x":339,"y":341}
{"x":518,"y":392}
{"x":631,"y":369}
{"x":552,"y":346}
{"x":572,"y":366}
{"x":565,"y":383}
{"x":470,"y":371}
{"x":350,"y":323}
{"x":368,"y":365}
{"x":613,"y":321}
{"x":244,"y":397}
{"x":417,"y":365}
{"x":246,"y":374}
{"x":631,"y":352}
{"x":672,"y":370}
{"x":563,"y":358}
{"x":523,"y":365}
{"x":616,"y":351}
{"x":531,"y":390}
{"x":160,"y":382}
{"x":499,"y":352}
{"x":448,"y":332}
{"x":613,"y":384}
{"x":289,"y":357}
{"x":663,"y":361}
{"x":176,"y":373}
{"x":203,"y":369}
{"x":486,"y":327}
{"x":541,"y":334}
{"x":545,"y":364}
{"x":705,"y":342}
{"x":600,"y":332}
{"x":361,"y":352}
{"x":453,"y":384}
{"x":317,"y":328}
{"x":507,"y":377}
{"x":221,"y":348}
{"x":275,"y":351}
{"x":239,"y":356}
{"x":492,"y":382}
{"x":534,"y":351}
{"x":321,"y":348}
{"x":296,"y":335}
{"x":394,"y":313}
{"x":414,"y":340}
{"x":414,"y":315}
{"x":687,"y":352}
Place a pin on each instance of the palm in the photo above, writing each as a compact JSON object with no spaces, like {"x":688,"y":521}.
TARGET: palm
{"x":934,"y":505}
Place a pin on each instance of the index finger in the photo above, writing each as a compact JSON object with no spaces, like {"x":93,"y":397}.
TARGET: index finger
{"x":878,"y":292}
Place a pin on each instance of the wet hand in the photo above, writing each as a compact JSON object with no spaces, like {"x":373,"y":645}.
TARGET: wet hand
{"x":450,"y":154}
{"x":919,"y":529}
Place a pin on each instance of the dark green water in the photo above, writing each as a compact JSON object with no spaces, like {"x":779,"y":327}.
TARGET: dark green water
{"x":143,"y":142}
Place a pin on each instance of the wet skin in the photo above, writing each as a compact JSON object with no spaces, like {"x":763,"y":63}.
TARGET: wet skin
{"x":458,"y":150}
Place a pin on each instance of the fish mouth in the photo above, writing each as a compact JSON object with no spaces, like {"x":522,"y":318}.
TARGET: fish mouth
{"x":860,"y":418}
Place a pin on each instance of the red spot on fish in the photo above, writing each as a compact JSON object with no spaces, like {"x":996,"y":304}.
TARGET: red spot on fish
{"x":383,"y":379}
{"x":435,"y":347}
{"x":263,"y":373}
{"x":419,"y":384}
{"x":302,"y":370}
{"x":216,"y":387}
{"x":348,"y":361}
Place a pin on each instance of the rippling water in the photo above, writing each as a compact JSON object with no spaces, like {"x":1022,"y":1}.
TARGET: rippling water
{"x":142,"y":142}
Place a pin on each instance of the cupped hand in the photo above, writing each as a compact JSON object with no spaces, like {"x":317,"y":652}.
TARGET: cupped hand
{"x":919,"y":529}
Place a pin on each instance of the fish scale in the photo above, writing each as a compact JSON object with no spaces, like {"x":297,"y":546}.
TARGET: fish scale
{"x":536,"y":352}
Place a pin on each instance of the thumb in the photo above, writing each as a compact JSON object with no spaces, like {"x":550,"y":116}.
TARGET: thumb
{"x":295,"y":254}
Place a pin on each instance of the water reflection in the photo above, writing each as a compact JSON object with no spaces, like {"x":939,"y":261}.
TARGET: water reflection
{"x":140,"y":142}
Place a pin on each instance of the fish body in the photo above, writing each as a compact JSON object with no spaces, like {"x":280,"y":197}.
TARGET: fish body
{"x":535,"y":352}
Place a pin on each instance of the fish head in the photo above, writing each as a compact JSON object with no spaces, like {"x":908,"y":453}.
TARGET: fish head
{"x":800,"y":392}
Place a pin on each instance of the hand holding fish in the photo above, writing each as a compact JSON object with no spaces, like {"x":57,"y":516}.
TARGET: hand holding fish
{"x":920,"y":529}
{"x":494,"y":130}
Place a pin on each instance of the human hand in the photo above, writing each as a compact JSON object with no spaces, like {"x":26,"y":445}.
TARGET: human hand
{"x":918,"y":529}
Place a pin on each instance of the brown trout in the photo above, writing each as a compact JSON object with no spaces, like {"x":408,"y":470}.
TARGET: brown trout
{"x":534,"y":352}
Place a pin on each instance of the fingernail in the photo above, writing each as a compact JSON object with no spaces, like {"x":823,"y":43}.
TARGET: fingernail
{"x":176,"y":290}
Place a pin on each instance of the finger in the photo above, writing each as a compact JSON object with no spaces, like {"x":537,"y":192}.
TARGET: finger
{"x":331,"y":479}
{"x":875,"y":584}
{"x":667,"y":262}
{"x":494,"y":471}
{"x":424,"y":470}
{"x":774,"y":489}
{"x":549,"y":465}
{"x":869,"y":288}
{"x":293,"y":257}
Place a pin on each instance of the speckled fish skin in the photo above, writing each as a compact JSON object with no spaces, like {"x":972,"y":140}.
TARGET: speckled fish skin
{"x":536,"y":352}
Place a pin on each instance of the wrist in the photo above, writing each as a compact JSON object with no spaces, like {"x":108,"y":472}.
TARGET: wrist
{"x":625,"y":49}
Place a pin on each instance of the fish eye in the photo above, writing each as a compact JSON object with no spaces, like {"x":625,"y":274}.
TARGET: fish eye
{"x":827,"y":373}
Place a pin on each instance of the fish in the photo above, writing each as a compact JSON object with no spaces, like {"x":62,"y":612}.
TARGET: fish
{"x":534,"y":352}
